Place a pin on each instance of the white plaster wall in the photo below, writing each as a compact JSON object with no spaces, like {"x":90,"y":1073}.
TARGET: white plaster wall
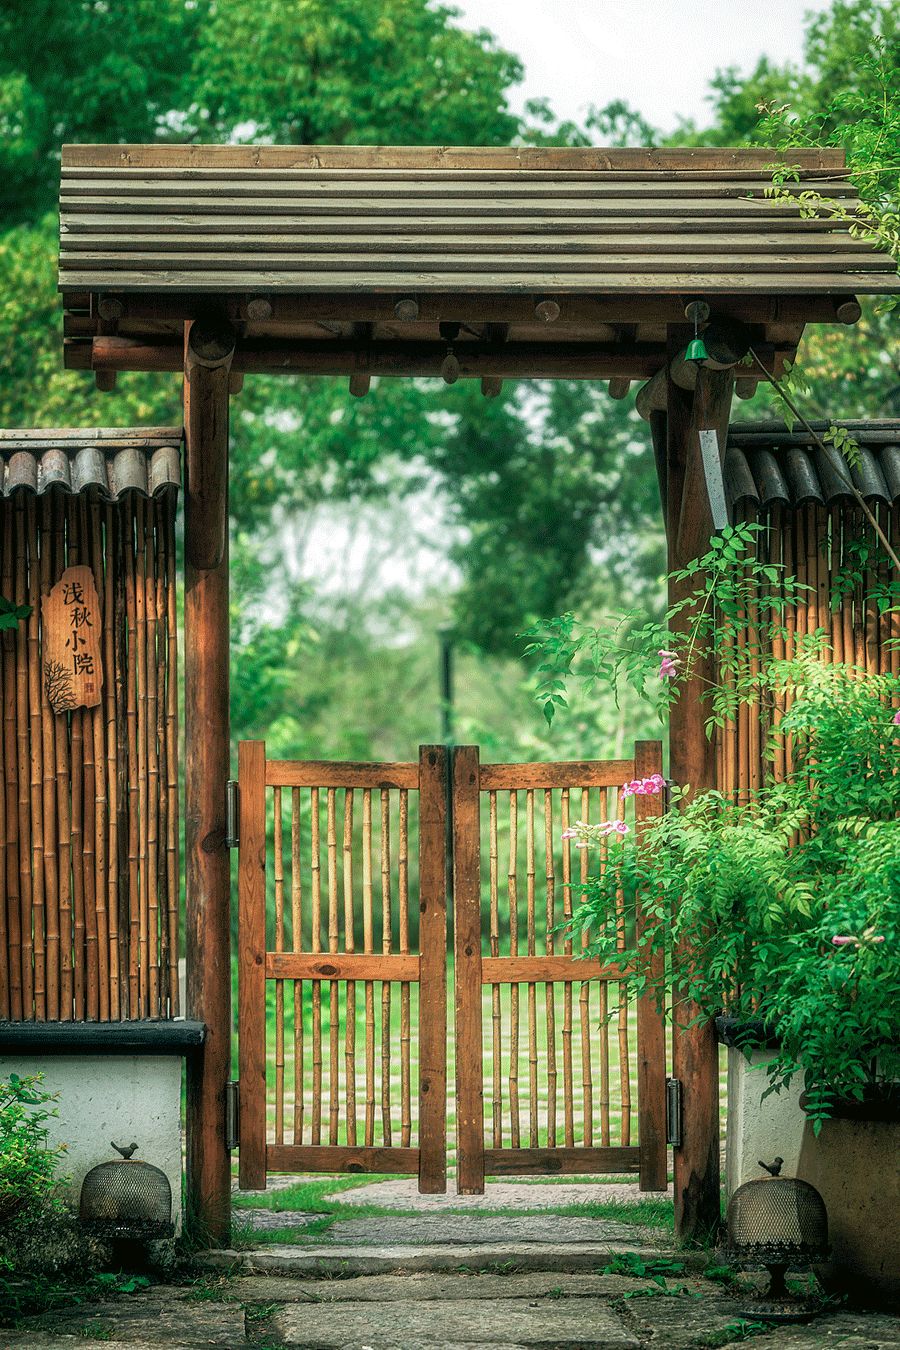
{"x":759,"y":1129}
{"x":126,"y":1098}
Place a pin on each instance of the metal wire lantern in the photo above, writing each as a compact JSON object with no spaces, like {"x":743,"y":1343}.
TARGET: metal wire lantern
{"x":127,"y":1199}
{"x":778,"y":1223}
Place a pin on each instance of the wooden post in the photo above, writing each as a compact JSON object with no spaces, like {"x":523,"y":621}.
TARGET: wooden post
{"x":208,"y":352}
{"x":692,"y":761}
{"x":467,"y":971}
{"x":432,"y":970}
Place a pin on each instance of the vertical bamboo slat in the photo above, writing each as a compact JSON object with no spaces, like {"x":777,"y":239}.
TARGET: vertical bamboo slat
{"x":548,"y":988}
{"x":23,"y":770}
{"x":496,"y":1027}
{"x":297,"y":946}
{"x":386,"y":947}
{"x":37,"y":765}
{"x":512,"y":893}
{"x":5,"y":954}
{"x":368,"y":947}
{"x":405,"y":993}
{"x":278,"y":876}
{"x":349,"y":946}
{"x":568,"y":1076}
{"x":584,"y":1006}
{"x":315,"y":942}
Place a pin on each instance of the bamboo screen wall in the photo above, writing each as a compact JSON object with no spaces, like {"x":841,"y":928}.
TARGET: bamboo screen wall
{"x":820,"y":535}
{"x":89,"y":859}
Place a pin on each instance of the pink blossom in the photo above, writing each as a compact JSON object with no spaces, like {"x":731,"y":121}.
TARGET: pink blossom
{"x":570,"y":833}
{"x":644,"y":787}
{"x":896,"y":718}
{"x":608,"y":827}
{"x":840,"y":940}
{"x":668,"y":666}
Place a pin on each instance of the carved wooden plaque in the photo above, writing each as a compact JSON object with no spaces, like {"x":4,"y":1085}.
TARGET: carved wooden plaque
{"x":73,"y":673}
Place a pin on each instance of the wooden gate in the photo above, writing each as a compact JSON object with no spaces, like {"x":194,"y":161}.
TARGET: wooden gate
{"x":331,"y":853}
{"x":337,"y":833}
{"x":533,"y":874}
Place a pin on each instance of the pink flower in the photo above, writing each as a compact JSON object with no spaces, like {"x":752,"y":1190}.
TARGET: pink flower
{"x":608,"y":827}
{"x":570,"y":834}
{"x":668,"y":666}
{"x":840,"y":940}
{"x":896,"y":718}
{"x":644,"y":787}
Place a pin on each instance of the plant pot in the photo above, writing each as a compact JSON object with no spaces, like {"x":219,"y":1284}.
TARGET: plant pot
{"x":758,"y":1126}
{"x":853,"y":1163}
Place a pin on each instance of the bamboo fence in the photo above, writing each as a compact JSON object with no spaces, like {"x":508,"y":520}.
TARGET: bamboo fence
{"x":89,"y":864}
{"x":849,"y":611}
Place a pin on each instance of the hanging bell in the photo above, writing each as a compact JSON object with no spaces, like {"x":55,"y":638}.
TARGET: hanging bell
{"x":696,"y":350}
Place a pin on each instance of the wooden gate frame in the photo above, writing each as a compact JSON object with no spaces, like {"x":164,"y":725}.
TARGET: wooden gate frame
{"x":256,"y":965}
{"x":472,"y":971}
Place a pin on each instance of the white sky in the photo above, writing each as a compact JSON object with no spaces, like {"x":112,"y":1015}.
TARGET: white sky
{"x":658,"y":55}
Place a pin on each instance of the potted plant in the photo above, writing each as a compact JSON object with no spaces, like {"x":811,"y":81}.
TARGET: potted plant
{"x":783,"y":911}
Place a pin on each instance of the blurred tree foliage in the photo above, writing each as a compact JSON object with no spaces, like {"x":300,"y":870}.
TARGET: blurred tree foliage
{"x":549,"y":491}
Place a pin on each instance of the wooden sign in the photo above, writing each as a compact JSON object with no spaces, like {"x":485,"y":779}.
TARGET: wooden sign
{"x":73,"y":673}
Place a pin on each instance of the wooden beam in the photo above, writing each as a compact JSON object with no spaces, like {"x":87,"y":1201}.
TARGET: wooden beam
{"x":692,"y":761}
{"x":208,"y":352}
{"x":319,"y":158}
{"x":518,"y":360}
{"x":467,"y":971}
{"x":580,"y":310}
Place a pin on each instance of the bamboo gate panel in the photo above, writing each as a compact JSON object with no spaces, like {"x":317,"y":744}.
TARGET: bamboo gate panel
{"x":569,"y":1073}
{"x":89,"y":819}
{"x":848,"y":617}
{"x":342,"y":957}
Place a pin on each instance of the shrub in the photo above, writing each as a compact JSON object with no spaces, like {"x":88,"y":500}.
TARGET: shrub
{"x":27,"y":1164}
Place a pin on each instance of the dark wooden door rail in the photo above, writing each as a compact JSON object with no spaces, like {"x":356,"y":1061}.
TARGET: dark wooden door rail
{"x":348,"y":1072}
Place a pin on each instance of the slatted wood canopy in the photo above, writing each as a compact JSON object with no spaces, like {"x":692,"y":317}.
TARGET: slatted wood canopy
{"x":556,"y":263}
{"x":218,"y":261}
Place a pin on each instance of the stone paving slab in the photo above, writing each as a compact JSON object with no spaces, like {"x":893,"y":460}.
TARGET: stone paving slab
{"x":347,"y":1261}
{"x":425,"y":1288}
{"x":403,"y":1193}
{"x":847,"y":1330}
{"x":157,"y":1317}
{"x":411,"y":1324}
{"x":271,"y":1220}
{"x":467,"y":1230}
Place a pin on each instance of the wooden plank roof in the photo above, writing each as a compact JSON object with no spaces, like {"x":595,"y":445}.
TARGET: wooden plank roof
{"x":310,"y":220}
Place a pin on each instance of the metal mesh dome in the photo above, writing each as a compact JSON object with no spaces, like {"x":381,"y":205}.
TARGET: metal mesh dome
{"x":126,"y":1197}
{"x":775,"y":1220}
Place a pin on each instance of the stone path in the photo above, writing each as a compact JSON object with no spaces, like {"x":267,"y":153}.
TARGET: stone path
{"x":514,"y":1311}
{"x":403,"y":1193}
{"x":425,"y":1230}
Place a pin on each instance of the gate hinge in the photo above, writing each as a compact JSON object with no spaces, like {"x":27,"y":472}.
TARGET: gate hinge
{"x":674,"y":1106}
{"x":232,"y":1115}
{"x":232,"y":800}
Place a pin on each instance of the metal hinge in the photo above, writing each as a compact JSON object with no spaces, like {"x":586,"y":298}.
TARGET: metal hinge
{"x":232,"y":1115}
{"x":232,"y":802}
{"x":674,"y":1105}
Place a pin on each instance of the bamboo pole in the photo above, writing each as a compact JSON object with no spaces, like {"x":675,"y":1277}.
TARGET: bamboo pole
{"x":97,"y":721}
{"x":349,"y":946}
{"x":405,"y":992}
{"x":135,"y":1003}
{"x":315,"y":943}
{"x":278,"y":873}
{"x":568,"y":1075}
{"x":48,"y":788}
{"x":152,"y":716}
{"x":297,"y":946}
{"x":368,"y":947}
{"x":386,"y":947}
{"x":584,"y":1007}
{"x":334,"y":1106}
{"x":5,"y":551}
{"x":23,"y":769}
{"x":167,"y":1007}
{"x":549,"y":996}
{"x":618,"y":813}
{"x":110,"y":689}
{"x":142,"y":760}
{"x":496,"y":1036}
{"x":37,"y":763}
{"x":10,"y":811}
{"x":512,"y":893}
{"x":62,"y":726}
{"x":79,"y":958}
{"x":173,"y":868}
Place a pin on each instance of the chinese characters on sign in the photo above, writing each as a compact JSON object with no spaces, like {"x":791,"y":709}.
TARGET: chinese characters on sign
{"x":73,"y":673}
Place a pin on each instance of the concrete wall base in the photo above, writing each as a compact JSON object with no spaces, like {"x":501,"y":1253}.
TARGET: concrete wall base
{"x":126,"y":1098}
{"x":756,"y":1128}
